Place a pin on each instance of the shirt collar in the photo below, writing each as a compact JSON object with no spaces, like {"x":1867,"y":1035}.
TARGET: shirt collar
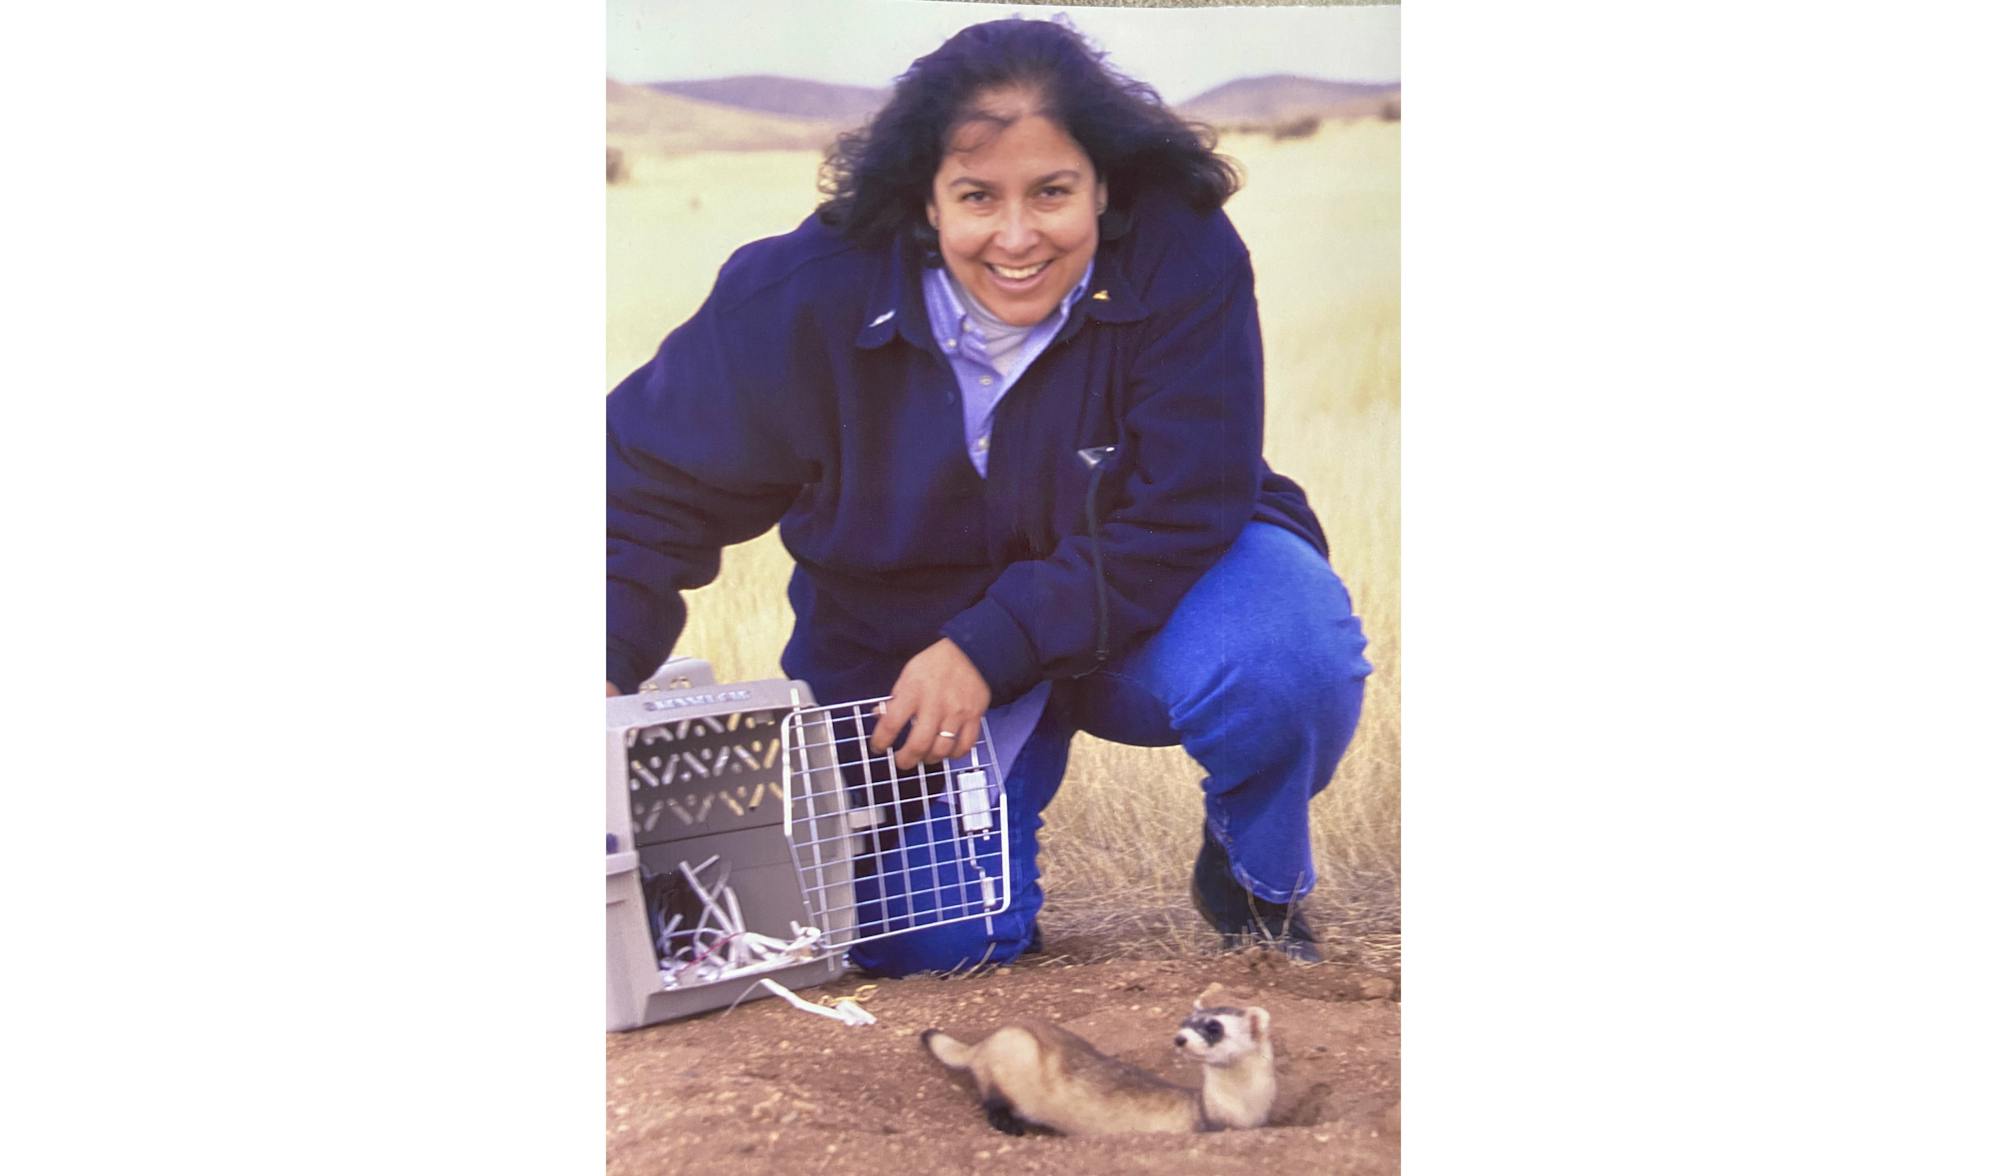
{"x":952,"y":324}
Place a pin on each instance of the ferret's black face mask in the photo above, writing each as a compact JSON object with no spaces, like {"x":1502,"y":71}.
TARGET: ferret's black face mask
{"x":1209,"y":1028}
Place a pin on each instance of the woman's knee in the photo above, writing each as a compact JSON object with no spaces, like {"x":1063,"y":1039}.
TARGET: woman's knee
{"x":1289,"y":632}
{"x":1282,"y":693}
{"x":1279,"y":691}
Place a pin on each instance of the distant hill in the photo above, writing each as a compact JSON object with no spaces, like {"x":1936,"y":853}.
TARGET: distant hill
{"x":1281,"y":98}
{"x":820,"y":101}
{"x":640,"y":119}
{"x":762,"y":113}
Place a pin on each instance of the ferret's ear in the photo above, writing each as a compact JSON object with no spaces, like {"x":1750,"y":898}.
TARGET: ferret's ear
{"x":1260,"y":1023}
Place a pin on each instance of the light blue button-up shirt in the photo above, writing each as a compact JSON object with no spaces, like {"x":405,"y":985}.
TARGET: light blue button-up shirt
{"x":981,"y":383}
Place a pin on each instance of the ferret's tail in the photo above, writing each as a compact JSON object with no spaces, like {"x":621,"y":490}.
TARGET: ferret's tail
{"x":950,"y":1051}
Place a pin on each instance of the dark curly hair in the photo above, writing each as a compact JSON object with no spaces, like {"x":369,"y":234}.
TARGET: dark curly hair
{"x":876,"y":179}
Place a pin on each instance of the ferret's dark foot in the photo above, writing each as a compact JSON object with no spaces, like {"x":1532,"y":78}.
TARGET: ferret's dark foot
{"x":1001,"y":1115}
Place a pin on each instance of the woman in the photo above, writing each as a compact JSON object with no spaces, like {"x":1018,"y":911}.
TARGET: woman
{"x":1003,"y":396}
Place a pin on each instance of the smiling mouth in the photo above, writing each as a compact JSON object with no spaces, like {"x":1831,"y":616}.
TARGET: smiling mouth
{"x":1021,"y":273}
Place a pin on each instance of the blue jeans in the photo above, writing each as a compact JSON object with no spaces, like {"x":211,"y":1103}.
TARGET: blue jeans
{"x":1258,"y":675}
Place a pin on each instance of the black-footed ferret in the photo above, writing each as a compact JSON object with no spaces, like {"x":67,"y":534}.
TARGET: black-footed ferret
{"x":1032,"y":1071}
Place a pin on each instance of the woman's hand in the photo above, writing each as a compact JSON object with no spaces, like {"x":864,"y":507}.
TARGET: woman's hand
{"x":938,"y":692}
{"x":610,"y":690}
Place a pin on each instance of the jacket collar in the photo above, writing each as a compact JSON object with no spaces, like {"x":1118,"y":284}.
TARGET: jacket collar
{"x":1111,"y":298}
{"x":895,"y":305}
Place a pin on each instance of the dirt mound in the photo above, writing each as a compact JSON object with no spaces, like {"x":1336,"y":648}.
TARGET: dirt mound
{"x":766,"y":1088}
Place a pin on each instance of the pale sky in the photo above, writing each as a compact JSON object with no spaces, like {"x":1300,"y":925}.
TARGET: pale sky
{"x":1179,"y":51}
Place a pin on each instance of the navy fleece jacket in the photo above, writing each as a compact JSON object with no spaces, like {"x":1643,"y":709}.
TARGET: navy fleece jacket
{"x":808,"y":392}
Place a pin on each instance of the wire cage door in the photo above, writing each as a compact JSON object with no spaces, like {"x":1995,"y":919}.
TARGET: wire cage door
{"x":879,"y":850}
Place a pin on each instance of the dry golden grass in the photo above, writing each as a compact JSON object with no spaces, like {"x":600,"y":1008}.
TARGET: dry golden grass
{"x":1321,"y":216}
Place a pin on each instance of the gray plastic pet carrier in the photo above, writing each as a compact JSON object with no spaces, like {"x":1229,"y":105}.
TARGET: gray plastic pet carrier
{"x":752,"y":834}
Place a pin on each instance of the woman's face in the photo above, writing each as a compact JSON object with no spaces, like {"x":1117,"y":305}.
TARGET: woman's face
{"x":1016,"y":210}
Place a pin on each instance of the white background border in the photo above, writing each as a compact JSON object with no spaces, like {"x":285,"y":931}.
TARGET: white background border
{"x":302,"y":495}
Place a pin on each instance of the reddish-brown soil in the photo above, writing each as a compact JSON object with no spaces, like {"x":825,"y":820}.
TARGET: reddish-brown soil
{"x":767,"y":1088}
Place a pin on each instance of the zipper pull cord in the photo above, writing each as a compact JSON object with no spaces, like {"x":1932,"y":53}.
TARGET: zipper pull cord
{"x":1095,"y":459}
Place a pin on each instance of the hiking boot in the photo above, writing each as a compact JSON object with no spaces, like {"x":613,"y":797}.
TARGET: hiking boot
{"x":1244,"y":919}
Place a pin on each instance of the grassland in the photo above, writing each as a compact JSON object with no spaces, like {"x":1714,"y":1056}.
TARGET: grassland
{"x":1322,"y":221}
